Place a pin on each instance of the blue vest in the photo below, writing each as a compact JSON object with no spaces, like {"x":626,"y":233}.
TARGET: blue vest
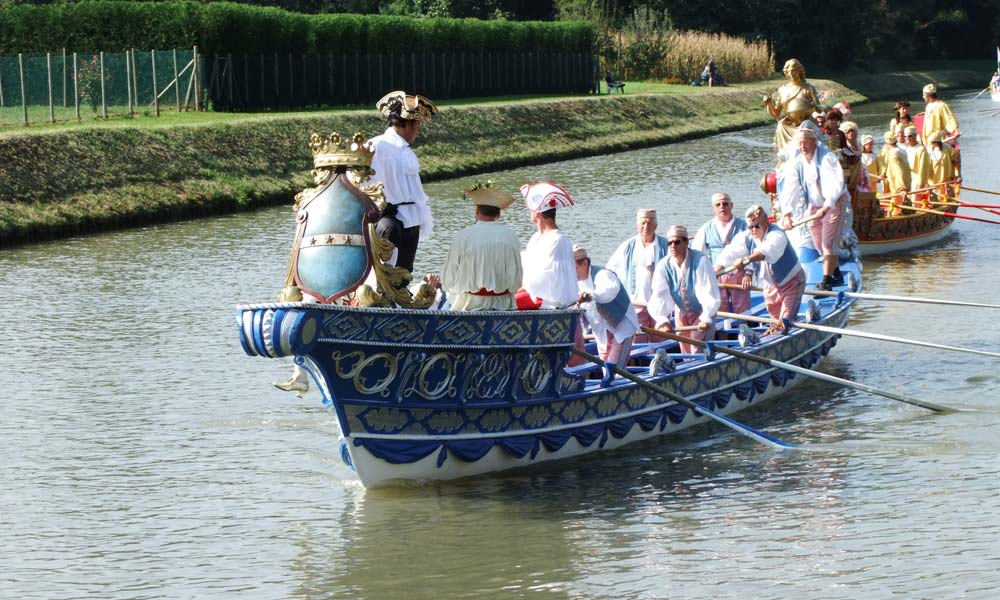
{"x":613,"y":312}
{"x":688,"y":302}
{"x":713,"y":237}
{"x":661,"y":251}
{"x":786,"y":264}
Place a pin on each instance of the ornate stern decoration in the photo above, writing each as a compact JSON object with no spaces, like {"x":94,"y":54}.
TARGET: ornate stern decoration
{"x":336,"y":246}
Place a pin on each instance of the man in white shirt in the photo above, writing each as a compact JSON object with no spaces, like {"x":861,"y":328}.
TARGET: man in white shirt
{"x":549,"y":271}
{"x":782,"y":275}
{"x":684,"y":288}
{"x":607,"y":308}
{"x":483,"y":268}
{"x":406,"y":217}
{"x":712,"y":238}
{"x":634,"y":260}
{"x":814,"y":180}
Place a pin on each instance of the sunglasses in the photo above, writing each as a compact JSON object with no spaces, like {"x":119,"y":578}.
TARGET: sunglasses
{"x":755,"y":226}
{"x":675,"y":242}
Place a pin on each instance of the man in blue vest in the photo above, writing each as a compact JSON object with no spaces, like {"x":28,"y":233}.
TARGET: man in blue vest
{"x":607,"y":308}
{"x":685,"y":289}
{"x":715,"y":235}
{"x":780,"y":272}
{"x":813,"y":180}
{"x":634,"y":260}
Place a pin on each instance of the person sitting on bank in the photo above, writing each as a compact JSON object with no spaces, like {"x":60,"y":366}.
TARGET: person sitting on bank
{"x":685,"y":290}
{"x":406,"y":216}
{"x":710,"y":75}
{"x":607,"y":308}
{"x":783,"y":277}
{"x":483,"y":269}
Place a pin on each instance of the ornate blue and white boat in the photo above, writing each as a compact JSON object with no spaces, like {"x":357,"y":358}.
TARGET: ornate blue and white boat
{"x":435,"y":395}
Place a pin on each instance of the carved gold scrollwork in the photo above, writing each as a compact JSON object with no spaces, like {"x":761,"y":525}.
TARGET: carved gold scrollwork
{"x":489,"y":378}
{"x":361,"y":362}
{"x":392,"y":281}
{"x":421,"y":383}
{"x":536,"y":374}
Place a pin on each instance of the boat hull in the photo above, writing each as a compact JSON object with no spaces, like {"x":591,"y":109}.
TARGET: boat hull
{"x":440,"y":395}
{"x":879,"y":234}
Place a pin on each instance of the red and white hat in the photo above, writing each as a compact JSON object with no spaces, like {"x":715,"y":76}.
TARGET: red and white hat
{"x":543,"y":196}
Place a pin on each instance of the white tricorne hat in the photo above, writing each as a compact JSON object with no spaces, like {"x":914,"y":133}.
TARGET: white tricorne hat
{"x":543,"y":196}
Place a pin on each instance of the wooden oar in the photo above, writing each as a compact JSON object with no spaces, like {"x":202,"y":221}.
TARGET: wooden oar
{"x":990,"y":208}
{"x":861,"y":334}
{"x":750,"y":432}
{"x":807,"y":372}
{"x":947,"y":214}
{"x":864,"y":296}
{"x":982,"y":191}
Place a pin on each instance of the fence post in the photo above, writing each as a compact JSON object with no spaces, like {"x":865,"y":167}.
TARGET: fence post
{"x":76,"y":88}
{"x":104,"y":101}
{"x":64,"y":78}
{"x":229,"y":77}
{"x":177,"y":84}
{"x":196,"y":71}
{"x":48,"y":69}
{"x":262,"y":80}
{"x":135,"y":81}
{"x":1,"y":91}
{"x":128,"y":82}
{"x":291,"y":77}
{"x":24,"y":99}
{"x":246,"y":81}
{"x":276,"y":103}
{"x":156,"y":92}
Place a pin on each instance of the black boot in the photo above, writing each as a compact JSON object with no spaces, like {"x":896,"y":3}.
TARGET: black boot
{"x":837,"y":278}
{"x":824,"y":286}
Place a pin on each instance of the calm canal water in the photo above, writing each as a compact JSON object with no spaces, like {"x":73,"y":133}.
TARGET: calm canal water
{"x":144,"y":456}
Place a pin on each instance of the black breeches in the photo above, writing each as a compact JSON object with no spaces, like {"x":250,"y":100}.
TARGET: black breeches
{"x":404,"y":238}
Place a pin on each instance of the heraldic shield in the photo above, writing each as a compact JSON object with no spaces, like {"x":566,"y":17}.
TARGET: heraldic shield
{"x":332,"y":253}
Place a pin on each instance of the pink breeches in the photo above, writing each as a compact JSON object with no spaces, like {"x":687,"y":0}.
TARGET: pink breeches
{"x":686,"y":319}
{"x":783,"y":301}
{"x":736,"y":301}
{"x":616,"y":352}
{"x":826,"y":231}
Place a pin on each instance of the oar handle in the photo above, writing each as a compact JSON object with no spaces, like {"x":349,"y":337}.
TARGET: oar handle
{"x":980,"y":190}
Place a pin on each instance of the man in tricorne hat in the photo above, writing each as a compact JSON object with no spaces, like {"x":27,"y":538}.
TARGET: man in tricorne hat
{"x":814,"y":180}
{"x":607,"y":308}
{"x":406,"y":217}
{"x":896,"y":173}
{"x":549,"y":271}
{"x":685,"y":288}
{"x":483,"y":268}
{"x":782,"y":275}
{"x":918,"y":159}
{"x":938,"y":117}
{"x":715,"y":235}
{"x":634,"y":260}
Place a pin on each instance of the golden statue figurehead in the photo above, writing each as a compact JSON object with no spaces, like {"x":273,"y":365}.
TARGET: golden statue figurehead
{"x":793,"y":103}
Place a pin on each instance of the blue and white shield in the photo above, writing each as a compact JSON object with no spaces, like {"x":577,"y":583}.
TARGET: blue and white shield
{"x":333,"y":256}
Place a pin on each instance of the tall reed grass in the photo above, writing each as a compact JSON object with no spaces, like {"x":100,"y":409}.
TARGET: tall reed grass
{"x":680,"y":56}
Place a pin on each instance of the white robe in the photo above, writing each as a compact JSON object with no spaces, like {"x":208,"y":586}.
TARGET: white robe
{"x":486,"y":255}
{"x":706,"y":290}
{"x":644,"y":259}
{"x":397,"y":168}
{"x":549,"y":270}
{"x":773,"y":246}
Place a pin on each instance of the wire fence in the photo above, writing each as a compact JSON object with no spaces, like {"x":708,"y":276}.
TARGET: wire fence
{"x":77,"y":86}
{"x":268,"y":81}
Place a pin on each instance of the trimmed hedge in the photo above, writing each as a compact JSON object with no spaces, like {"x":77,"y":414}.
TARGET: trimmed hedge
{"x":223,"y":27}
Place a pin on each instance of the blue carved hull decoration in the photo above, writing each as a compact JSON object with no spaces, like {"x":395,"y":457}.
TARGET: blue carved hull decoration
{"x":437,"y":395}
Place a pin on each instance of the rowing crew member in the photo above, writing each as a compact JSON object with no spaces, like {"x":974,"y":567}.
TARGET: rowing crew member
{"x":607,"y":308}
{"x":483,"y":268}
{"x":782,"y":275}
{"x":684,"y":287}
{"x":712,"y":238}
{"x":634,"y":260}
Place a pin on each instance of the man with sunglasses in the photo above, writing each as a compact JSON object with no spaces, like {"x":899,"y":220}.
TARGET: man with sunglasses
{"x":685,"y":288}
{"x":780,"y":272}
{"x":715,"y":235}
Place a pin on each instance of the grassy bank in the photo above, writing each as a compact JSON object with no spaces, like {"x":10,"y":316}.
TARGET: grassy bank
{"x":60,"y":182}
